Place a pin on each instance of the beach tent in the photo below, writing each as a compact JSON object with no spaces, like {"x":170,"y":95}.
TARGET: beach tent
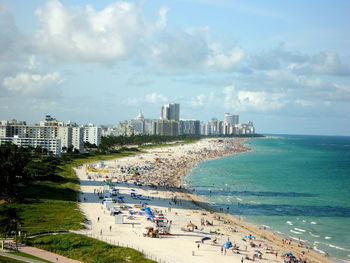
{"x":228,"y":244}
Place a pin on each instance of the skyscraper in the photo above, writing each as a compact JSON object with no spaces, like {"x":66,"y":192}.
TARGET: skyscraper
{"x":170,"y":112}
{"x":231,"y":119}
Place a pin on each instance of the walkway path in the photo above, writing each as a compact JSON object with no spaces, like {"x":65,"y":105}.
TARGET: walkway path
{"x":4,"y":254}
{"x":46,"y":255}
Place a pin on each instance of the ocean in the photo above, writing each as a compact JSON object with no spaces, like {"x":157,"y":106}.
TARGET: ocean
{"x":297,"y":186}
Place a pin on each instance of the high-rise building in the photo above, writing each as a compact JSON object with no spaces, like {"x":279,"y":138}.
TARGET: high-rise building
{"x":189,"y":127}
{"x":167,"y":128}
{"x":170,"y":112}
{"x":231,"y":119}
{"x":92,"y":134}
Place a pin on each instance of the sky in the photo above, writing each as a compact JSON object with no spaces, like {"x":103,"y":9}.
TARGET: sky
{"x":285,"y":65}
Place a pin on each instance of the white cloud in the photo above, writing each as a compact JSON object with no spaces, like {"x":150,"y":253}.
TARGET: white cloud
{"x":93,"y":36}
{"x":202,"y":100}
{"x":26,"y":84}
{"x":304,"y":103}
{"x":194,"y":50}
{"x":280,"y":58}
{"x":155,"y":98}
{"x":218,"y":60}
{"x":33,"y":63}
{"x":244,"y":100}
{"x":152,"y":98}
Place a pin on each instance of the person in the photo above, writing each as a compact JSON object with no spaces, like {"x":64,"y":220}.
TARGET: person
{"x":98,"y":219}
{"x":198,"y":246}
{"x":110,"y":228}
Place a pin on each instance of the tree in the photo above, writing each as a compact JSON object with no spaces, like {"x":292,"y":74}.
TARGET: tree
{"x":10,"y":221}
{"x":13,"y":159}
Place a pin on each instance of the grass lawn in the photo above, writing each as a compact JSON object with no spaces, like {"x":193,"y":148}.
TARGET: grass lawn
{"x":52,"y":205}
{"x":25,"y":255}
{"x":9,"y":260}
{"x":87,"y":249}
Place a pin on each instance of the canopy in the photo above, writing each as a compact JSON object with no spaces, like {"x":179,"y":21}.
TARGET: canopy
{"x":228,"y":244}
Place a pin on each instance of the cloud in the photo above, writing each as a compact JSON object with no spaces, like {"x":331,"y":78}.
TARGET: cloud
{"x":304,"y":103}
{"x":202,"y":100}
{"x":280,"y":58}
{"x":244,"y":100}
{"x":325,"y":63}
{"x":194,"y":50}
{"x":152,"y":98}
{"x":34,"y":85}
{"x":87,"y":35}
{"x":155,"y":98}
{"x":13,"y":43}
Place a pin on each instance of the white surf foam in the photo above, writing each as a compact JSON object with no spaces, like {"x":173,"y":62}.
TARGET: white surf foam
{"x":289,"y":223}
{"x":299,"y":229}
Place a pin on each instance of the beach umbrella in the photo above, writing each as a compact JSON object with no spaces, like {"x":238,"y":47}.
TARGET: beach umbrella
{"x":145,"y":203}
{"x":205,"y":238}
{"x":244,"y":239}
{"x":132,"y":190}
{"x":289,"y":254}
{"x":258,"y":251}
{"x":142,"y":209}
{"x":228,"y":244}
{"x":129,"y":206}
{"x":250,"y":236}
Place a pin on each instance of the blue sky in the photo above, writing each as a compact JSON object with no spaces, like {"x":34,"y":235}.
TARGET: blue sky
{"x":285,"y":65}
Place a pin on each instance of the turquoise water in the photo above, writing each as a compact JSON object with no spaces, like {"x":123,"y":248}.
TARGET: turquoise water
{"x":298,"y":186}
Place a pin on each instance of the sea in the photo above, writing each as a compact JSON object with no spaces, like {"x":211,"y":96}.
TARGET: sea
{"x":296,"y":186}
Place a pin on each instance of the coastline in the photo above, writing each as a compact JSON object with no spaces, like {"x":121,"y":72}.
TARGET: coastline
{"x":185,"y":160}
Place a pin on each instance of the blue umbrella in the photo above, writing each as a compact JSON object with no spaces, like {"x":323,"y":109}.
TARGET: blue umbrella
{"x":206,"y":238}
{"x":250,"y":236}
{"x":244,"y":239}
{"x":142,"y":209}
{"x":228,"y":244}
{"x":145,"y":203}
{"x":289,"y":254}
{"x":132,"y":190}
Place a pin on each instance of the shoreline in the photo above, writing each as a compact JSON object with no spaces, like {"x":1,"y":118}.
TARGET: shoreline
{"x":172,"y":186}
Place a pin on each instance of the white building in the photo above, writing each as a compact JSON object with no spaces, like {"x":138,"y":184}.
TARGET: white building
{"x":231,"y":119}
{"x":78,"y":138}
{"x":65,"y":134}
{"x":92,"y":134}
{"x":52,"y":145}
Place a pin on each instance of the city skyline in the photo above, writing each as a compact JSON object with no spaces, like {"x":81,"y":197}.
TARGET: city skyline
{"x":284,"y":66}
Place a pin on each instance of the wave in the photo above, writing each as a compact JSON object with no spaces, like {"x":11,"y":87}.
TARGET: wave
{"x":319,"y":250}
{"x":327,"y":237}
{"x":295,"y":232}
{"x":299,"y":229}
{"x":289,"y":223}
{"x":314,"y":223}
{"x":313,"y":235}
{"x":340,"y":248}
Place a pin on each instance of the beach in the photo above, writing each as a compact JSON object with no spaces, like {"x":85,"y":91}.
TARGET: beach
{"x":154,"y":182}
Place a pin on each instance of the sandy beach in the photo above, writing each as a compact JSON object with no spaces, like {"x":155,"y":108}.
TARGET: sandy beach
{"x":152,"y":183}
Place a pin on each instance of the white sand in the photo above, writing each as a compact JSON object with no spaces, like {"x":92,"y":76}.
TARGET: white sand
{"x":180,"y":245}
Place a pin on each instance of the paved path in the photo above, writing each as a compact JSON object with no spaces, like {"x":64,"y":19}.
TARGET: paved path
{"x":19,"y":257}
{"x":46,"y":255}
